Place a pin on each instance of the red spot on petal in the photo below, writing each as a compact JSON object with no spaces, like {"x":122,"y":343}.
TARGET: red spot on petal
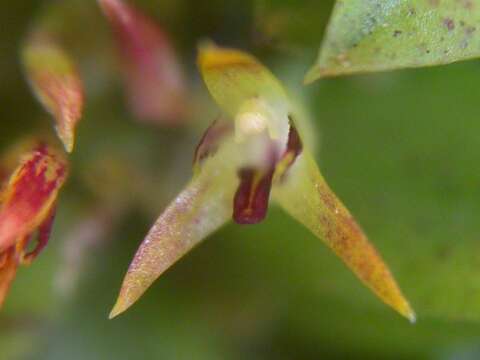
{"x":449,"y":24}
{"x":211,"y":139}
{"x":293,"y":150}
{"x":294,"y":145}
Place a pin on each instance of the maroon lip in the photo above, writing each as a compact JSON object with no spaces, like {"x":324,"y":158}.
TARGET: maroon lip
{"x":250,"y":204}
{"x":251,"y":198}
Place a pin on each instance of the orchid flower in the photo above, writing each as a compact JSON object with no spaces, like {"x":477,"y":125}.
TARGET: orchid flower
{"x":27,"y":205}
{"x":252,"y":153}
{"x":54,"y":79}
{"x":154,"y":80}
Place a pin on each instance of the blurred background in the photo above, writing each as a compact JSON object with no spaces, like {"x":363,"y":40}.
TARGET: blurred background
{"x":402,"y":149}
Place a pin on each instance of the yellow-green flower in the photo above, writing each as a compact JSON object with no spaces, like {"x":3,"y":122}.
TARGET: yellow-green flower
{"x":252,"y":154}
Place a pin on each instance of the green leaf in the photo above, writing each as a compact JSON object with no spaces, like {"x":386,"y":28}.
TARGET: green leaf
{"x":374,"y":35}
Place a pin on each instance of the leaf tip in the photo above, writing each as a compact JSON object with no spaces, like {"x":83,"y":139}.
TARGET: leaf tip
{"x":312,"y":75}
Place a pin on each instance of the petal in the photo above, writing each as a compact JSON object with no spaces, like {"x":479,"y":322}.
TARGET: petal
{"x":155,"y":80}
{"x":10,"y":260}
{"x":202,"y":207}
{"x":56,"y":82}
{"x":245,"y":90}
{"x":305,"y":195}
{"x":8,"y":270}
{"x":250,"y":203}
{"x":250,"y":93}
{"x":44,"y":232}
{"x":30,"y":194}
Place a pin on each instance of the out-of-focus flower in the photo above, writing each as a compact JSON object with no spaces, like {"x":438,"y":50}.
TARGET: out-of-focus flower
{"x":55,"y":81}
{"x":89,"y":234}
{"x":27,"y":204}
{"x":154,"y":79}
{"x":237,"y":164}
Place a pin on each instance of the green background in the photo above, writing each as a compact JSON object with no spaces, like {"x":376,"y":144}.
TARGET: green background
{"x":402,"y":150}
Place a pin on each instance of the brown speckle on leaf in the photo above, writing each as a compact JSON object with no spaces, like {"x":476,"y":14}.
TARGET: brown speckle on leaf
{"x":469,"y":30}
{"x":449,"y":24}
{"x":444,"y":252}
{"x":467,"y":4}
{"x":342,"y":59}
